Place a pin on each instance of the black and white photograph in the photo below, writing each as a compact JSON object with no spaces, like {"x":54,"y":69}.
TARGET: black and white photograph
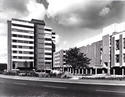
{"x":62,"y":48}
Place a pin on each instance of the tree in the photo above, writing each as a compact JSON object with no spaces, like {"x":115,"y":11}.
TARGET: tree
{"x":76,"y":59}
{"x":26,"y":64}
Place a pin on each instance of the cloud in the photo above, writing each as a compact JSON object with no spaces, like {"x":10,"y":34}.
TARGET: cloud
{"x":85,"y":13}
{"x":24,"y":9}
{"x":57,"y":38}
{"x":19,"y":6}
{"x":36,"y":10}
{"x":104,"y":11}
{"x":44,"y":2}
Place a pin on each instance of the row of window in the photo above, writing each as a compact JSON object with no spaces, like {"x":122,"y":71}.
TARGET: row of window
{"x":46,"y":49}
{"x":45,"y":58}
{"x":19,"y":25}
{"x":23,"y":52}
{"x":24,"y":31}
{"x":22,"y":36}
{"x":118,"y":58}
{"x":22,"y":57}
{"x":23,"y":41}
{"x":118,"y":44}
{"x":48,"y":53}
{"x":22,"y":47}
{"x":45,"y":63}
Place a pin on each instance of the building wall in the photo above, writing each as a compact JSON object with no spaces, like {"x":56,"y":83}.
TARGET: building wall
{"x":106,"y":50}
{"x":20,"y":43}
{"x":44,"y":41}
{"x":59,"y":59}
{"x":93,"y":52}
{"x":31,"y":42}
{"x":118,"y":50}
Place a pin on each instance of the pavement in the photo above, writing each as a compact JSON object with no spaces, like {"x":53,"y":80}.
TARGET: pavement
{"x":75,"y":81}
{"x":55,"y":87}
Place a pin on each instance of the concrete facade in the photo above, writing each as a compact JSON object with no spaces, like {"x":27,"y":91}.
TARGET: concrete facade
{"x":93,"y":52}
{"x":39,"y":42}
{"x":20,"y":44}
{"x":108,"y":54}
{"x":59,"y":60}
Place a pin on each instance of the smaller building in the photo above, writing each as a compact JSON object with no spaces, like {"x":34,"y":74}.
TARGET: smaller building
{"x":59,"y":60}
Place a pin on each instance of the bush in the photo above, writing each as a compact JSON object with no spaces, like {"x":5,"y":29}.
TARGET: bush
{"x":66,"y":75}
{"x":11,"y":72}
{"x":43,"y":74}
{"x":33,"y":74}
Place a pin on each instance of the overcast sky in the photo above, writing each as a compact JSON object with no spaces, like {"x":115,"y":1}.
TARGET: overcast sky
{"x":74,"y":21}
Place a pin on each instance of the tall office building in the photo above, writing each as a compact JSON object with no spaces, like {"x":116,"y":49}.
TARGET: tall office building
{"x":31,"y":42}
{"x":20,"y":44}
{"x":44,"y":39}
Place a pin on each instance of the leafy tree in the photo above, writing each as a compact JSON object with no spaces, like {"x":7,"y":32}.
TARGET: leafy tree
{"x":76,"y":59}
{"x":26,"y":64}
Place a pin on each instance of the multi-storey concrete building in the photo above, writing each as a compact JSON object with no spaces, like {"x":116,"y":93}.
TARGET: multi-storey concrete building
{"x":108,"y":54}
{"x":20,"y":44}
{"x":59,"y":60}
{"x":114,"y":48}
{"x":44,"y":41}
{"x":36,"y":37}
{"x":93,"y":52}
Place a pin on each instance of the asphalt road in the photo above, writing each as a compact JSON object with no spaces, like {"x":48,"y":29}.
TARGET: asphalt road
{"x":14,"y":88}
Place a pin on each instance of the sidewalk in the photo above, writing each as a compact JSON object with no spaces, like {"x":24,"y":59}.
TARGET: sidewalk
{"x":59,"y":80}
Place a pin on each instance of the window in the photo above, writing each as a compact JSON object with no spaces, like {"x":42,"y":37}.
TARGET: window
{"x":31,"y":47}
{"x":19,"y":46}
{"x":47,"y":62}
{"x":30,"y":57}
{"x":48,"y":44}
{"x":15,"y":57}
{"x":124,"y":57}
{"x":124,"y":43}
{"x":48,"y":58}
{"x":14,"y":35}
{"x":14,"y":46}
{"x":14,"y":40}
{"x":31,"y":37}
{"x":117,"y":58}
{"x":31,"y":42}
{"x":48,"y":39}
{"x":24,"y":31}
{"x":48,"y":48}
{"x":22,"y":25}
{"x":20,"y":52}
{"x":117,"y":44}
{"x":48,"y":53}
{"x":14,"y":51}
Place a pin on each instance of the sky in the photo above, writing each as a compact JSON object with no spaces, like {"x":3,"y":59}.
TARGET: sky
{"x":76,"y":22}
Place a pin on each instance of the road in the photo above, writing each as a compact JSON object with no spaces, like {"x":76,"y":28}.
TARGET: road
{"x":14,"y":87}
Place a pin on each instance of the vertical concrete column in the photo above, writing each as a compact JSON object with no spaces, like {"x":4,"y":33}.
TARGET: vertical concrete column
{"x":86,"y":71}
{"x":122,"y":71}
{"x":113,"y":71}
{"x":70,"y":70}
{"x":121,"y":49}
{"x":91,"y":71}
{"x":95,"y":70}
{"x":75,"y":71}
{"x":82,"y":71}
{"x":79,"y":71}
{"x":103,"y":71}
